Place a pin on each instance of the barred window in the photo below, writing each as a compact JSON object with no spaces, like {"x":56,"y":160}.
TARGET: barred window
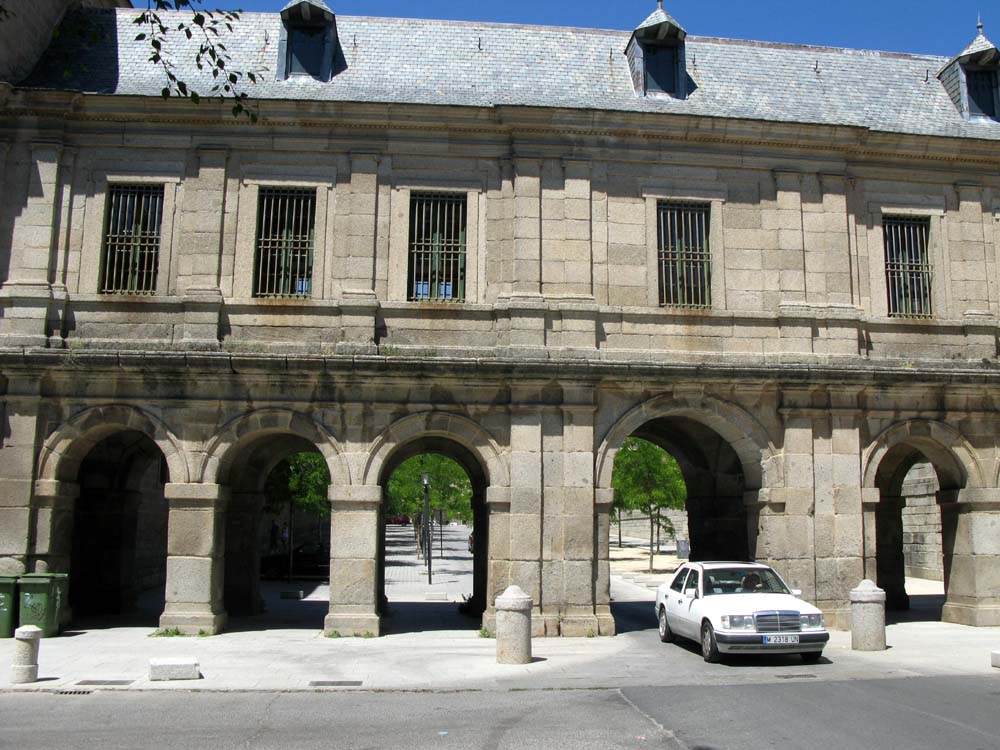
{"x":436,"y":270}
{"x":907,"y":266}
{"x":286,"y":222}
{"x":130,"y":257}
{"x":683,"y":255}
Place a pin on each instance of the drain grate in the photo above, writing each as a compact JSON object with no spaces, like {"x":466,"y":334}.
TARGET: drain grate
{"x":105,"y":682}
{"x":335,"y":683}
{"x":74,"y":692}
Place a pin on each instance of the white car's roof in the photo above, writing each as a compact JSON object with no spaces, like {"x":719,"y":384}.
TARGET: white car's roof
{"x":716,"y":564}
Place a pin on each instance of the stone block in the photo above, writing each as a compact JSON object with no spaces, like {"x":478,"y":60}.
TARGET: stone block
{"x":194,"y":533}
{"x":194,"y":580}
{"x":352,"y":581}
{"x":356,"y":534}
{"x":174,"y":668}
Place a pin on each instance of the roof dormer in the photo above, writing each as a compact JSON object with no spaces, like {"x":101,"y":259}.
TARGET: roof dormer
{"x":308,"y":40}
{"x":971,"y":79}
{"x":656,"y":56}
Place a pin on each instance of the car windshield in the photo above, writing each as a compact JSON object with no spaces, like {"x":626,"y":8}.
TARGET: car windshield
{"x":743,"y":581}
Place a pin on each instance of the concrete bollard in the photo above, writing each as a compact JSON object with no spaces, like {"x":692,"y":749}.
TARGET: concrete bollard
{"x":513,"y":609}
{"x":867,"y":617}
{"x":24,"y":667}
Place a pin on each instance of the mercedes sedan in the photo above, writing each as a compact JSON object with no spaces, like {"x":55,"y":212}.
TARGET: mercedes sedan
{"x":738,"y":608}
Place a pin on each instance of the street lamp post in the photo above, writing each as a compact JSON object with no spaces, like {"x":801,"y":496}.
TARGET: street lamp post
{"x":427,"y":525}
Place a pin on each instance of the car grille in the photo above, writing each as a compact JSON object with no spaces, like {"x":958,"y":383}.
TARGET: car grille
{"x":777,"y":622}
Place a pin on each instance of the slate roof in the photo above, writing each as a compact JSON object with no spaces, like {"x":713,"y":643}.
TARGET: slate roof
{"x":485,"y":65}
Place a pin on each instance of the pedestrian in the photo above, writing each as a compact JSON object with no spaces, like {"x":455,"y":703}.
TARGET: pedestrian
{"x":284,"y":536}
{"x":273,"y":539}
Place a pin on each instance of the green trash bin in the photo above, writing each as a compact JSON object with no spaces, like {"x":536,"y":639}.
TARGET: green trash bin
{"x":39,"y":602}
{"x":8,"y":606}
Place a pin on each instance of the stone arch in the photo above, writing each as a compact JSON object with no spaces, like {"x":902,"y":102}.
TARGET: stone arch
{"x":438,"y":424}
{"x":223,"y":448}
{"x":744,"y":434}
{"x":65,"y":449}
{"x":951,"y":455}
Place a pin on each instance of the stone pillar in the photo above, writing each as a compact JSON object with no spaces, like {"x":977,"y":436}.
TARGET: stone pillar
{"x":890,"y":564}
{"x":26,"y":296}
{"x":970,"y":523}
{"x":603,"y":499}
{"x":867,"y":617}
{"x":527,"y":227}
{"x":354,"y":530}
{"x":242,"y":586}
{"x":19,"y":419}
{"x":498,"y":575}
{"x":52,"y":515}
{"x":526,"y":499}
{"x":195,"y":558}
{"x":513,"y":634}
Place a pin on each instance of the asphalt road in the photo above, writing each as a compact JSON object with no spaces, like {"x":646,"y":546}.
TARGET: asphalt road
{"x":932,"y":713}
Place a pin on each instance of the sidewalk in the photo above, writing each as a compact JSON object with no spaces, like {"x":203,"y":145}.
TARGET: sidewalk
{"x":431,"y":647}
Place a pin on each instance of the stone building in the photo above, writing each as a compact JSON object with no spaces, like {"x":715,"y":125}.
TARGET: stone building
{"x":516,"y":246}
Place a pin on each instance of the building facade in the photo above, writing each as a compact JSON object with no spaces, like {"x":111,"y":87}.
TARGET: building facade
{"x":517,"y":248}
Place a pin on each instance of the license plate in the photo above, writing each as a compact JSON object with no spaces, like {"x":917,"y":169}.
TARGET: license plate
{"x":781,"y":639}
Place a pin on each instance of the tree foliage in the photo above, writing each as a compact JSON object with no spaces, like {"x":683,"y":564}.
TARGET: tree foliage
{"x":207,"y":27}
{"x":450,"y":487}
{"x":647,"y":479}
{"x":302,"y":480}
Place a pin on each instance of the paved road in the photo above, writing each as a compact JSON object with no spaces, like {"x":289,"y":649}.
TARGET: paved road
{"x":916,"y":714}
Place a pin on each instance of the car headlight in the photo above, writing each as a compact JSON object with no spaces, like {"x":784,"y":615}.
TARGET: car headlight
{"x":738,"y":622}
{"x":811,"y":622}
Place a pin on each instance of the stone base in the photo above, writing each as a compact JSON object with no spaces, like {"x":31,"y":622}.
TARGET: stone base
{"x":352,"y":625}
{"x":606,"y":625}
{"x":193,"y":623}
{"x":22,"y":675}
{"x":836,"y":617}
{"x":175,"y":668}
{"x":489,"y":623}
{"x":579,"y":626}
{"x":977,"y":615}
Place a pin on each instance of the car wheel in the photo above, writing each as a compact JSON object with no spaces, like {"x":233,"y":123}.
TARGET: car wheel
{"x":666,"y":634}
{"x":709,"y":648}
{"x":811,"y":657}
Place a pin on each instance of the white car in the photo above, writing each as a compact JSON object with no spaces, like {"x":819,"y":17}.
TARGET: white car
{"x":738,"y":608}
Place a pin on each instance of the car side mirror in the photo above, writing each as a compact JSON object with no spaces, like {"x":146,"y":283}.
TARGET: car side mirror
{"x":691,"y":594}
{"x":796,"y":592}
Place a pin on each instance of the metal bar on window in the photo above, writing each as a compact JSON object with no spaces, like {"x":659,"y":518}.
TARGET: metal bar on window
{"x":286,"y":223}
{"x":131,"y":248}
{"x":907,"y":266}
{"x":684,"y":256}
{"x":437,"y":249}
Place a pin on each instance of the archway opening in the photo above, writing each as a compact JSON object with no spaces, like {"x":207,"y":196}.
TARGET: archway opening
{"x":912,"y":549}
{"x":277,"y":549}
{"x":433,"y":570}
{"x":118,"y":559}
{"x":690,"y":480}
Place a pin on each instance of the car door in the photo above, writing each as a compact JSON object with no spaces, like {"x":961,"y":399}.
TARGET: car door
{"x":689,"y":612}
{"x":674,"y":601}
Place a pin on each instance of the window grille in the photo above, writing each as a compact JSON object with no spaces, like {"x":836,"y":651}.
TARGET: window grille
{"x":907,"y":267}
{"x":685,"y":259}
{"x":131,"y":254}
{"x":437,"y":247}
{"x":286,"y":222}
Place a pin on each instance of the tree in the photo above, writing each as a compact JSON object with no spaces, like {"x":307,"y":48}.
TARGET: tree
{"x":647,"y":478}
{"x":450,"y":489}
{"x":300,"y":481}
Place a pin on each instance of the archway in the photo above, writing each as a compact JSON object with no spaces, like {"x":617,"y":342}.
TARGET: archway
{"x":460,"y":554}
{"x":917,"y":479}
{"x":119,"y":542}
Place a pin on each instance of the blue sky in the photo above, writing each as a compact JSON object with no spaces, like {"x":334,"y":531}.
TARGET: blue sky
{"x":921,"y":26}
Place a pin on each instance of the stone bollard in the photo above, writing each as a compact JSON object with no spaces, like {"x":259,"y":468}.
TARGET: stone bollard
{"x":24,"y":668}
{"x":513,"y":608}
{"x":867,"y":617}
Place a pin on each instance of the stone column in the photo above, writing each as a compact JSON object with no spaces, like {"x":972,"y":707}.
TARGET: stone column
{"x":195,"y":558}
{"x":354,"y":530}
{"x":242,"y":586}
{"x":890,"y":564}
{"x":26,"y":296}
{"x":970,"y":524}
{"x":17,"y":467}
{"x":867,"y":617}
{"x":498,"y":572}
{"x":526,"y":499}
{"x":603,"y":499}
{"x":52,"y":518}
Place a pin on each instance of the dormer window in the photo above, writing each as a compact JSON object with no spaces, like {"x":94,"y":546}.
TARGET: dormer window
{"x":971,"y":79}
{"x":656,"y":56}
{"x":308,"y":40}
